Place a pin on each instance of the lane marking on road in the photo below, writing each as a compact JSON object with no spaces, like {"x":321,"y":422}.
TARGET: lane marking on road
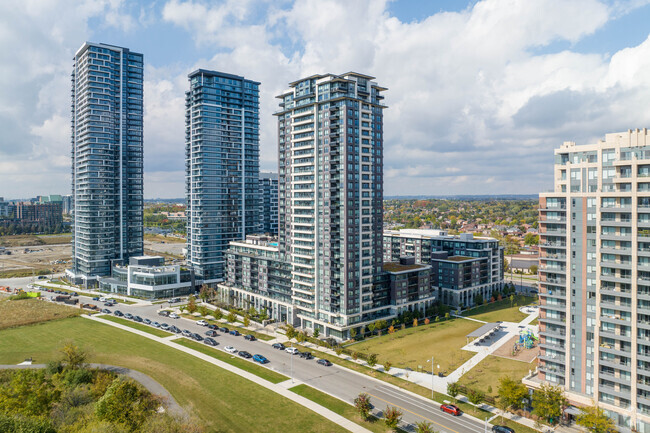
{"x":416,"y":402}
{"x":416,"y":414}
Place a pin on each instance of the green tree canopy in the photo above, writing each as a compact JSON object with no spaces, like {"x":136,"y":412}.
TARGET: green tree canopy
{"x":595,"y":420}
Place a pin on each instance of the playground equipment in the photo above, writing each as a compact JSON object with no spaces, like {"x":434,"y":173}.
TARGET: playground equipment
{"x":526,"y":341}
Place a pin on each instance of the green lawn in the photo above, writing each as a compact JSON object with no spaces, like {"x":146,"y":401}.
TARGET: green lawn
{"x":414,"y":346}
{"x":342,"y":408}
{"x":234,"y":360}
{"x":491,"y":369}
{"x":135,"y":325}
{"x":224,"y":401}
{"x":501,"y":310}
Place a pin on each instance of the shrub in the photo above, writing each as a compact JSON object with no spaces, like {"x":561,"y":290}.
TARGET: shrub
{"x":247,"y":320}
{"x":316,"y":332}
{"x":475,"y":396}
{"x":217,"y":314}
{"x":339,"y":350}
{"x":191,"y":304}
{"x":231,"y":317}
{"x":424,"y":427}
{"x":387,"y":366}
{"x":355,"y":355}
{"x":427,"y":321}
{"x":392,"y":417}
{"x":372,"y":359}
{"x":415,"y":323}
{"x":203,"y":310}
{"x":453,"y":389}
{"x":362,"y":403}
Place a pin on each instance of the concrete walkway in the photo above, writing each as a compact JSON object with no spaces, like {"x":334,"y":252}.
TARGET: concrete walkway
{"x":154,"y":387}
{"x":277,"y":388}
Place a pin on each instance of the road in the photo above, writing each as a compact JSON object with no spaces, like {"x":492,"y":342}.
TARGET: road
{"x":337,"y":381}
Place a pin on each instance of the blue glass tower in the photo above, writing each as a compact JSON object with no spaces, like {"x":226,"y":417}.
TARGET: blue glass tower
{"x":221,"y":167}
{"x":107,"y":186}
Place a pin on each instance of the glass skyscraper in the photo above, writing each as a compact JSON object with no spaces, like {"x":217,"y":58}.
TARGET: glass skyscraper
{"x":107,"y":194}
{"x":221,"y":167}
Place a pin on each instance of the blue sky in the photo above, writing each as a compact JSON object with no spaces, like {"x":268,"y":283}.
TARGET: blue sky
{"x":480,"y":92}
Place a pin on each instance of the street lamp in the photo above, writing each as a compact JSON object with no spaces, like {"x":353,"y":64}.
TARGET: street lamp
{"x":431,"y":361}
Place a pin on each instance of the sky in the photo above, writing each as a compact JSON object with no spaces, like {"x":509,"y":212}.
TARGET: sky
{"x":480,"y":92}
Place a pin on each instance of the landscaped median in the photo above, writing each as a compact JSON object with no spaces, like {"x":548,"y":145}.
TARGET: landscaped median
{"x":235,"y":361}
{"x":239,"y":327}
{"x":139,"y":326}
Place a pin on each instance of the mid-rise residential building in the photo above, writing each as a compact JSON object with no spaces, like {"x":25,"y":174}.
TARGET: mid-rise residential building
{"x":269,"y":203}
{"x":47,"y":214}
{"x":221,"y":167}
{"x":4,"y":208}
{"x":107,"y":159}
{"x":330,"y":143}
{"x":406,"y":286}
{"x":464,"y":268}
{"x":594,"y":277}
{"x":148,"y":277}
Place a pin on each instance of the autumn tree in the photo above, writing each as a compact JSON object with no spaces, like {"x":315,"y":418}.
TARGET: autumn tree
{"x":595,"y":420}
{"x":363,"y":405}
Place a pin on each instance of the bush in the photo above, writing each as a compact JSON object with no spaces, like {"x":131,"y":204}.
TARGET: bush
{"x":453,"y":389}
{"x":217,"y":314}
{"x":372,"y":359}
{"x":387,"y":366}
{"x":392,"y":417}
{"x":362,"y":403}
{"x":78,"y":376}
{"x":475,"y":396}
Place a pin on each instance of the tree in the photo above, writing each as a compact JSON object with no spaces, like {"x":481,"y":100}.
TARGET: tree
{"x":531,"y":239}
{"x":502,"y":406}
{"x":252,"y":312}
{"x":203,"y":293}
{"x":415,"y":322}
{"x":548,"y":402}
{"x":512,"y":299}
{"x":362,"y":404}
{"x":594,"y":419}
{"x":203,"y":310}
{"x":392,"y":417}
{"x":391,"y":329}
{"x":338,"y":350}
{"x":291,"y":332}
{"x":247,"y":320}
{"x":73,"y":356}
{"x":126,"y":403}
{"x":475,"y":396}
{"x":301,"y":337}
{"x":353,"y":333}
{"x":217,"y":314}
{"x":424,"y":427}
{"x":387,"y":366}
{"x":371,"y":328}
{"x":511,"y":392}
{"x":453,"y":389}
{"x":533,"y":269}
{"x":231,"y":317}
{"x":372,"y":359}
{"x":427,"y":321}
{"x":316,"y":332}
{"x":264,"y":314}
{"x":191,"y":304}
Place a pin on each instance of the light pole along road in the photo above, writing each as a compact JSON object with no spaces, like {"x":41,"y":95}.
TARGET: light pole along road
{"x":335,"y":380}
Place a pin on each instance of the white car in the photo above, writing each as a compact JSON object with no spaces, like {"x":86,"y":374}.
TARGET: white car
{"x":174,"y":316}
{"x":292,"y":350}
{"x":102,"y":299}
{"x":230,"y":349}
{"x":201,"y":323}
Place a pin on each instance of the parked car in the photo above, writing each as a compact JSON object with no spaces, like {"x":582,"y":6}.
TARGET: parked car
{"x":137,"y":318}
{"x":502,"y":429}
{"x":212,"y":326}
{"x":292,"y":350}
{"x":234,"y":332}
{"x":156,"y":324}
{"x":174,"y":316}
{"x":128,"y":316}
{"x":175,"y":329}
{"x":164,"y":326}
{"x":260,"y":358}
{"x":118,"y":313}
{"x":163,"y":313}
{"x":196,"y":337}
{"x":109,"y":304}
{"x":451,"y":409}
{"x":245,"y":354}
{"x":230,"y":349}
{"x":324,"y":362}
{"x":174,"y":300}
{"x":186,"y":333}
{"x":202,"y":323}
{"x":278,"y":346}
{"x":146,"y":321}
{"x":224,"y":329}
{"x":211,"y":333}
{"x":250,"y":337}
{"x":96,"y":298}
{"x":210,"y":341}
{"x":106,"y":311}
{"x":306,"y":355}
{"x":101,"y":299}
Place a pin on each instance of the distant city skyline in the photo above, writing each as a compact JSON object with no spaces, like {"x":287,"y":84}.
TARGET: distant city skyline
{"x":481,"y":91}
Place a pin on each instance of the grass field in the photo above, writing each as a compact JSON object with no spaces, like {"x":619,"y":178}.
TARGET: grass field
{"x":342,"y":408}
{"x":235,"y":360}
{"x":224,"y":401}
{"x":413,"y":346}
{"x":166,"y":239}
{"x":491,"y":369}
{"x":29,"y":311}
{"x":33,"y":240}
{"x":501,"y":310}
{"x":135,"y":325}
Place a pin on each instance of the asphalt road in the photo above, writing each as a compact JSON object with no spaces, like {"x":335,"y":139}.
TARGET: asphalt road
{"x":338,"y":381}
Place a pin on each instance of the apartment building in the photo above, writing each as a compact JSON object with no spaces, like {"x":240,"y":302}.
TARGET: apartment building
{"x":107,"y":159}
{"x":269,"y":203}
{"x":464,"y":268}
{"x":49,"y":214}
{"x":221,"y":167}
{"x":595,"y":277}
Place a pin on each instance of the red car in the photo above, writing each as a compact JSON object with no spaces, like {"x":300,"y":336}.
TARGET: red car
{"x":451,"y":409}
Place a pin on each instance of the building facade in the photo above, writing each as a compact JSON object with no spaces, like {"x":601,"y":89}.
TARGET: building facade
{"x":47,"y":214}
{"x":107,"y":159}
{"x":464,"y":268}
{"x":222,"y":167}
{"x":330,"y":143}
{"x":595,"y":277}
{"x":269,"y":203}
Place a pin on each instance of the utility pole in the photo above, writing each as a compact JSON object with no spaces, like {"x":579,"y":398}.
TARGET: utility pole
{"x":431,"y":360}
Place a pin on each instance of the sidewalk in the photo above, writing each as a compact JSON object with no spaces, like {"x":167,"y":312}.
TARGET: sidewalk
{"x":277,"y":388}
